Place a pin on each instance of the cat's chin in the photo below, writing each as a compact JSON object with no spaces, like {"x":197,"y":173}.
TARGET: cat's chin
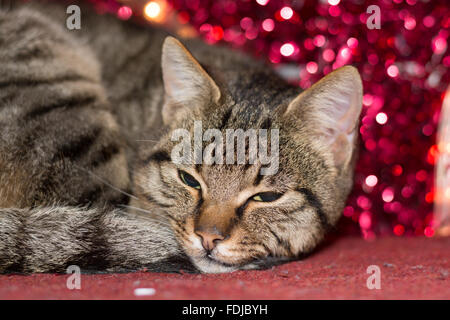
{"x":208,"y":265}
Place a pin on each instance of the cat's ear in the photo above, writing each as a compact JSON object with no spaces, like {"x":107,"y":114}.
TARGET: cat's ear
{"x":330,"y":110}
{"x":186,"y":83}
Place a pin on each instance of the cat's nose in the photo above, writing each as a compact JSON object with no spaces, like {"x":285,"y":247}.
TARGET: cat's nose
{"x":209,"y":238}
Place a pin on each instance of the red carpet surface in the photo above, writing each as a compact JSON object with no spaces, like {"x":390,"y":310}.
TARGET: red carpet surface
{"x":410,"y":268}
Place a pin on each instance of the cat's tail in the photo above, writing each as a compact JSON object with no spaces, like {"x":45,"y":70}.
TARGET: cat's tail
{"x":50,"y":239}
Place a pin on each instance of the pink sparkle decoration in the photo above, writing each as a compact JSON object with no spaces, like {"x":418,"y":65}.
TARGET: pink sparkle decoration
{"x":287,"y":49}
{"x":381,"y":118}
{"x":410,"y":23}
{"x":352,"y":43}
{"x":429,"y":231}
{"x":392,"y":71}
{"x":388,"y":195}
{"x":439,"y":45}
{"x":319,"y":40}
{"x":365,"y":221}
{"x":124,"y":13}
{"x":345,"y":53}
{"x":405,"y":71}
{"x":371,"y":181}
{"x":311,"y":67}
{"x":262,"y":2}
{"x":286,"y":13}
{"x":328,"y":55}
{"x":268,"y":25}
{"x":334,"y":2}
{"x":246,"y":23}
{"x":399,"y":230}
{"x":428,"y":21}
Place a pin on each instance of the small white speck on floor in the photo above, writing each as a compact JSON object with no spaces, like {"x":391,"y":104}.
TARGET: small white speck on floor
{"x":139,"y":292}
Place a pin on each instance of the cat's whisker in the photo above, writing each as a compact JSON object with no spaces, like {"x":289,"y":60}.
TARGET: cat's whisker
{"x":105,"y":182}
{"x":146,"y":140}
{"x":150,"y":214}
{"x":166,"y":226}
{"x":154,"y":217}
{"x":159,"y":223}
{"x":140,"y":209}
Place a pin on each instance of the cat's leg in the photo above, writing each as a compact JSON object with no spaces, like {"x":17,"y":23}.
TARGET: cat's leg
{"x":59,"y":142}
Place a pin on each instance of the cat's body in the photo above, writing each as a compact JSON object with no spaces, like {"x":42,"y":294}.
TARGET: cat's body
{"x":85,"y":116}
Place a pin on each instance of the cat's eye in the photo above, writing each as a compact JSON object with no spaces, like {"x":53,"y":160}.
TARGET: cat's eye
{"x":189,"y":180}
{"x":266,"y":196}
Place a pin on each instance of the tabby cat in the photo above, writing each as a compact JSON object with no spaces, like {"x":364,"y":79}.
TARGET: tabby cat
{"x":86,"y":118}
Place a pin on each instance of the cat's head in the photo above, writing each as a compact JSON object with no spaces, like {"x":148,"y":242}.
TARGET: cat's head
{"x":280,"y":202}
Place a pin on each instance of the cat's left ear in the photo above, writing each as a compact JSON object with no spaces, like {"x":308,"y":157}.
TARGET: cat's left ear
{"x":186,"y":83}
{"x":330,"y":111}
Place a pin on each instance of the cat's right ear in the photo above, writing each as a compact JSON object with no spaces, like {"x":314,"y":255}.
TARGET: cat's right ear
{"x":186,"y":83}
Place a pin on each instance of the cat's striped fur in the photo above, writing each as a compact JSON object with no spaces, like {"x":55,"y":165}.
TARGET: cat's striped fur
{"x":56,"y":121}
{"x":85,"y":120}
{"x":60,"y":144}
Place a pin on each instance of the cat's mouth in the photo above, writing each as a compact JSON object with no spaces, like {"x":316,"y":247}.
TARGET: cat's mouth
{"x":214,"y":261}
{"x":226,"y":256}
{"x":210,"y":263}
{"x":219,"y":260}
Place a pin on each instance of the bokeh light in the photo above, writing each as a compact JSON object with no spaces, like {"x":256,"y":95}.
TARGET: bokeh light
{"x":262,"y":2}
{"x":287,"y":49}
{"x":286,"y":13}
{"x":392,"y":71}
{"x":268,"y":25}
{"x":124,"y":13}
{"x":311,"y":67}
{"x":381,"y":118}
{"x":152,"y":10}
{"x":334,"y":2}
{"x":371,"y":181}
